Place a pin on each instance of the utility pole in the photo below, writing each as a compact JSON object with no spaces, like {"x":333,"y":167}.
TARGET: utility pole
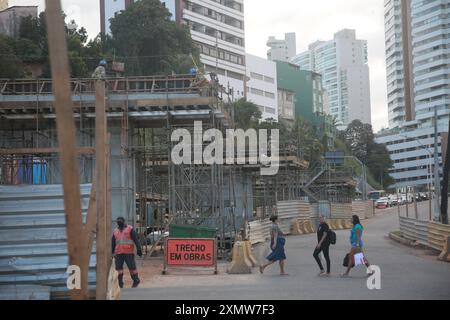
{"x":437,"y":178}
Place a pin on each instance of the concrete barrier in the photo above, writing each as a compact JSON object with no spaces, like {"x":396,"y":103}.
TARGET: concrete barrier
{"x":297,"y":228}
{"x":445,"y":254}
{"x":248,"y":253}
{"x":240,"y":263}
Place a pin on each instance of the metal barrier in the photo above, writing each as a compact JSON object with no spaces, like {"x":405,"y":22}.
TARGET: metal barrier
{"x":437,"y":235}
{"x":414,"y":230}
{"x":152,"y":84}
{"x":431,"y":234}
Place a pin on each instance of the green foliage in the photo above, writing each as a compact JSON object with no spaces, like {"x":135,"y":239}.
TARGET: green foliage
{"x":360,"y":141}
{"x":246,"y":114}
{"x":150,"y":42}
{"x":9,"y":63}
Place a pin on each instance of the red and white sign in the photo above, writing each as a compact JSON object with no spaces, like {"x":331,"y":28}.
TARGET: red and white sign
{"x":191,"y":252}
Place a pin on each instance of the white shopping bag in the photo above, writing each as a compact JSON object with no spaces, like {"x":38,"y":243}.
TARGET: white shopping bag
{"x":359,"y":259}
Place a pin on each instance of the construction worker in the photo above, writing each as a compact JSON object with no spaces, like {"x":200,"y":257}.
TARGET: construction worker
{"x":100,"y":71}
{"x":124,"y":243}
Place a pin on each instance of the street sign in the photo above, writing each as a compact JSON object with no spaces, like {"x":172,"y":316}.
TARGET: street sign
{"x":190,"y":252}
{"x":335,"y":157}
{"x":118,"y":66}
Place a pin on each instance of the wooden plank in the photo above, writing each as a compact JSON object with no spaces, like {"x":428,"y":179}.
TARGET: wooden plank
{"x":101,"y":180}
{"x":89,"y":231}
{"x":22,"y":151}
{"x":66,"y":136}
{"x":108,"y":203}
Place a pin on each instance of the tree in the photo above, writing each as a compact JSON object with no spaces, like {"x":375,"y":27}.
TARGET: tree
{"x":359,"y":137}
{"x":9,"y":63}
{"x":150,"y":42}
{"x":360,"y":140}
{"x":246,"y":114}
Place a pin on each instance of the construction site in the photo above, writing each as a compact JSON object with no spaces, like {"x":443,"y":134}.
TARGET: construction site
{"x":76,"y":154}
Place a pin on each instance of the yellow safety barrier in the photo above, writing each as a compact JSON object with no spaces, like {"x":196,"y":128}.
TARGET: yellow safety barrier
{"x":445,"y":254}
{"x":348,"y":224}
{"x":332,"y":223}
{"x":297,"y":228}
{"x":248,"y":253}
{"x":308,"y":226}
{"x":240,"y":263}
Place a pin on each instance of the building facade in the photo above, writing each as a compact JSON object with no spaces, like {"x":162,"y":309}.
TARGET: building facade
{"x":282,"y":50}
{"x":286,"y":106}
{"x":11,"y":18}
{"x":262,"y":86}
{"x":217,"y":27}
{"x":418,"y":67}
{"x":307,"y":87}
{"x":399,"y":62}
{"x":343,"y":64}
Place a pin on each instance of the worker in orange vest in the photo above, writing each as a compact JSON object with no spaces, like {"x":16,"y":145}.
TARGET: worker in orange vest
{"x":124,"y":243}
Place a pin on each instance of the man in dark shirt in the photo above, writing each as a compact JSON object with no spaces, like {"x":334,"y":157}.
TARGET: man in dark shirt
{"x":323,"y":245}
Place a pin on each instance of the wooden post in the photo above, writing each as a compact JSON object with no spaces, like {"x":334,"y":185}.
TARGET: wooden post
{"x":89,"y":231}
{"x":101,"y":180}
{"x":66,"y":137}
{"x":108,"y":203}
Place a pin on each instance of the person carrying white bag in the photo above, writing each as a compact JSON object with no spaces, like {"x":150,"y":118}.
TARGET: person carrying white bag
{"x":356,"y":256}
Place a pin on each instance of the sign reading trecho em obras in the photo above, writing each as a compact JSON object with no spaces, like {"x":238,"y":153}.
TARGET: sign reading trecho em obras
{"x":190,"y":252}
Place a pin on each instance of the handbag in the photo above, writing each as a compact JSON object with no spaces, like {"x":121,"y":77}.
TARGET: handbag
{"x":346,"y":260}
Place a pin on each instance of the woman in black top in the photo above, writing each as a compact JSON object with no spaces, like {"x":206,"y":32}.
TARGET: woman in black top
{"x":323,"y":245}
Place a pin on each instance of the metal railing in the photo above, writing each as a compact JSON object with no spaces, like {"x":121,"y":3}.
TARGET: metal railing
{"x":147,"y":84}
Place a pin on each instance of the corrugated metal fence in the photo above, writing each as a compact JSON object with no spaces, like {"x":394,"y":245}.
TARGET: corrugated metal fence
{"x":431,"y":234}
{"x":33,"y":247}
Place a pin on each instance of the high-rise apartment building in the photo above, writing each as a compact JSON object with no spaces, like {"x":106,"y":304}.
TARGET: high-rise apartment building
{"x":217,"y":27}
{"x":282,"y":50}
{"x":399,"y":62}
{"x":418,"y":68}
{"x":343,"y":64}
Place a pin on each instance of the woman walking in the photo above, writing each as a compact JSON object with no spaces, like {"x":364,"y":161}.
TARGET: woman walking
{"x":323,"y":239}
{"x":357,"y":244}
{"x":277,"y":245}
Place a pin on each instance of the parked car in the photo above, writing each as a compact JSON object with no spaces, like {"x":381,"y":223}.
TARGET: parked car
{"x":424,"y":196}
{"x":156,"y":236}
{"x":382,"y":203}
{"x":394,"y":201}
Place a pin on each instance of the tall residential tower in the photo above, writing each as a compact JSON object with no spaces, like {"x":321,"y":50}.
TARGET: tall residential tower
{"x":343,"y":64}
{"x":418,"y":68}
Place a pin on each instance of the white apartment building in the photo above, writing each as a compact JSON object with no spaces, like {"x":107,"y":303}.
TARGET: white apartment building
{"x":262,"y":85}
{"x":418,"y":45}
{"x":282,"y":50}
{"x":343,"y":64}
{"x":217,"y":26}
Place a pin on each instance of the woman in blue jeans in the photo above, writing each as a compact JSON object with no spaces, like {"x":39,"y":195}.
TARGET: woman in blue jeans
{"x":277,"y":243}
{"x":356,"y":243}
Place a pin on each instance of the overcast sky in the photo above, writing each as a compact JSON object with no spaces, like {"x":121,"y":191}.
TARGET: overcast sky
{"x":311,"y":19}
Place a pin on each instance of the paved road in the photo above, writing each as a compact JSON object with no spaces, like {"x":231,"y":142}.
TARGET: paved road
{"x":406,"y":273}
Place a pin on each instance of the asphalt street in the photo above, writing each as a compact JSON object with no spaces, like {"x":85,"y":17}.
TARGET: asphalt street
{"x":406,"y":273}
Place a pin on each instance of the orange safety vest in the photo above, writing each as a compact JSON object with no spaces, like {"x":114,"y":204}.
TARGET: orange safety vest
{"x":124,"y":242}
